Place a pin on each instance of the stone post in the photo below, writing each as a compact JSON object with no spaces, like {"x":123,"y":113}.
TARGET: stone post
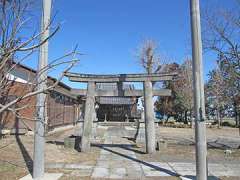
{"x":105,"y":118}
{"x":95,"y":121}
{"x":89,"y":116}
{"x":126,"y":120}
{"x":140,"y":135}
{"x":149,"y":117}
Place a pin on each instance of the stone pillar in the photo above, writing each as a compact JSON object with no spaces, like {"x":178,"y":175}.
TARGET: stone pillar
{"x":149,"y":117}
{"x":89,"y":116}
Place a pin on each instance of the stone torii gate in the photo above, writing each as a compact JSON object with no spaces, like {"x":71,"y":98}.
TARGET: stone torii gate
{"x":148,"y":93}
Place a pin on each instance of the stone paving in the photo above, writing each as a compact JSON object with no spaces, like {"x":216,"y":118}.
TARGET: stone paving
{"x":118,"y":161}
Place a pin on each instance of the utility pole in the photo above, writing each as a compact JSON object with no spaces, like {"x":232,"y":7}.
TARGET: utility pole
{"x":39,"y":139}
{"x":198,"y":84}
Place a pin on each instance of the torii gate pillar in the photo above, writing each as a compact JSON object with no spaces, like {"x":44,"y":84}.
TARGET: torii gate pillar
{"x":149,"y":117}
{"x":88,"y":117}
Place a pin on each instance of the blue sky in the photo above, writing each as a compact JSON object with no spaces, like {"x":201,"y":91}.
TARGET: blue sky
{"x":108,"y":32}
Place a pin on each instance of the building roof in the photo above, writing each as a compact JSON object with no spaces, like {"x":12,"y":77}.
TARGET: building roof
{"x":116,"y":100}
{"x":25,"y":74}
{"x":49,"y":77}
{"x":113,"y":86}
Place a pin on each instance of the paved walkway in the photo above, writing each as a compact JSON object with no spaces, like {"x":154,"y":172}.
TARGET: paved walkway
{"x":118,"y":161}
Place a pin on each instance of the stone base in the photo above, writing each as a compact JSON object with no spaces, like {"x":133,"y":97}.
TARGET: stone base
{"x":47,"y":176}
{"x":72,"y":142}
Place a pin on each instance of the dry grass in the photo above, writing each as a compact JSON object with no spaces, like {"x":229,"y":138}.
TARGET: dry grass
{"x":15,"y":152}
{"x":180,"y":146}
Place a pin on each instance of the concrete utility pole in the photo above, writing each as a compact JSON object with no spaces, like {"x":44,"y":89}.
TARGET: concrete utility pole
{"x":39,"y":139}
{"x":199,"y":104}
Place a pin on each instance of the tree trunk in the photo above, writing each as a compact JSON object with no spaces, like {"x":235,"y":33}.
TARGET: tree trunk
{"x":236,"y":115}
{"x":185,"y":117}
{"x":218,"y":118}
{"x":180,"y":118}
{"x":238,"y":120}
{"x":192,"y":119}
{"x":168,"y":116}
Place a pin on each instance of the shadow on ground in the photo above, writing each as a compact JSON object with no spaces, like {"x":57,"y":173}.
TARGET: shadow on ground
{"x":27,"y":158}
{"x":194,"y":177}
{"x":125,"y":146}
{"x":58,"y":143}
{"x":128,"y":147}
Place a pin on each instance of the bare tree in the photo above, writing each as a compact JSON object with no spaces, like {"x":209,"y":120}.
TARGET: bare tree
{"x":149,"y":58}
{"x":16,"y":47}
{"x":215,"y":92}
{"x":150,"y":61}
{"x":221,"y":36}
{"x":168,"y":105}
{"x":184,"y":88}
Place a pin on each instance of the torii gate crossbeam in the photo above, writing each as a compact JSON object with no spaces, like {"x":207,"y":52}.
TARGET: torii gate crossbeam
{"x":154,"y":77}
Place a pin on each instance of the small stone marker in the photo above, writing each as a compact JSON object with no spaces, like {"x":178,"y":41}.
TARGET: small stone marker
{"x":157,"y":146}
{"x":19,"y":131}
{"x":161,"y":144}
{"x":4,"y":133}
{"x":228,"y":152}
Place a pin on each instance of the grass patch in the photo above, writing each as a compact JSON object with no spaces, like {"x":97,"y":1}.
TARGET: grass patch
{"x":6,"y":167}
{"x":9,"y":171}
